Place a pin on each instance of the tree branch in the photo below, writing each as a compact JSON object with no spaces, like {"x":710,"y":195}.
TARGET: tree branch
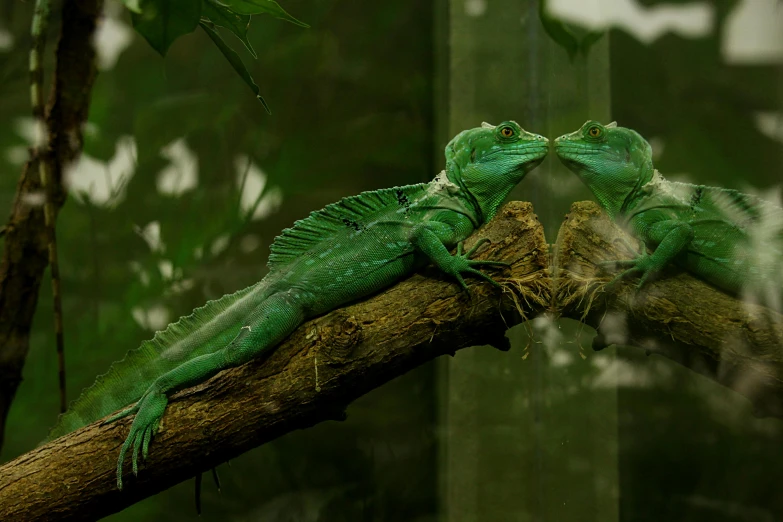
{"x":322,"y":367}
{"x":736,"y":344}
{"x":25,"y":253}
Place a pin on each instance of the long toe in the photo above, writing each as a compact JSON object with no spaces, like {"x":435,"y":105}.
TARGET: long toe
{"x":481,"y":262}
{"x":483,"y":276}
{"x":478,"y":245}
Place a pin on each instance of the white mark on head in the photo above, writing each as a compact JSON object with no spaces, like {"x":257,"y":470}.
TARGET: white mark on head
{"x":441,"y":185}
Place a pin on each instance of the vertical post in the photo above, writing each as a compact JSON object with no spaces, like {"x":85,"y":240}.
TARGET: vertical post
{"x":534,"y":438}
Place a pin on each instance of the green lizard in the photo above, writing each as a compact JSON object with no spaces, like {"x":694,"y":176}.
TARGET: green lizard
{"x":730,"y":239}
{"x":348,"y":250}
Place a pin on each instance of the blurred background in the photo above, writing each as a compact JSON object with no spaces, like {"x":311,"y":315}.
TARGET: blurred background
{"x":185,"y":181}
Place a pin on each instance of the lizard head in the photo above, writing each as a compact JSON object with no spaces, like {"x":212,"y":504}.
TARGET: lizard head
{"x":488,"y":161}
{"x":612,"y":161}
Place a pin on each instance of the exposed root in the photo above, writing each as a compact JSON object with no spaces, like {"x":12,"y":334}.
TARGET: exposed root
{"x":578,"y":292}
{"x":531,"y":291}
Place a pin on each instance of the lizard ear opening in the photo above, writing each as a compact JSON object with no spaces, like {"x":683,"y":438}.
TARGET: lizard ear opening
{"x":611,"y":125}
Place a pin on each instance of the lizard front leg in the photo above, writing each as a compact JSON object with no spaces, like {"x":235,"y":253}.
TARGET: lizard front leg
{"x":429,"y":239}
{"x":271,"y":322}
{"x":672,"y":238}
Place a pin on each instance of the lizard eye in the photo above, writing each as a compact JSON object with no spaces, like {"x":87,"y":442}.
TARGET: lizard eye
{"x":506,"y":132}
{"x":595,"y":131}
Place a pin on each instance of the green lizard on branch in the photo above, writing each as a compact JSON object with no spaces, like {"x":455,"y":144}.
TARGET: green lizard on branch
{"x":729,"y":239}
{"x":347,"y":251}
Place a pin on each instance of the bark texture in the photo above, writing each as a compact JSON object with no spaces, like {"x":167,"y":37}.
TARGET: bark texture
{"x":25,"y":252}
{"x":323,"y":366}
{"x":738,"y":345}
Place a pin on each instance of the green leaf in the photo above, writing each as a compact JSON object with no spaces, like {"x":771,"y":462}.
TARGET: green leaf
{"x":220,"y":15}
{"x":252,"y":7}
{"x":235,"y":61}
{"x":163,"y":21}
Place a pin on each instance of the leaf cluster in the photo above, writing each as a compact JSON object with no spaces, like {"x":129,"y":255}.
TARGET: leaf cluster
{"x":161,"y":22}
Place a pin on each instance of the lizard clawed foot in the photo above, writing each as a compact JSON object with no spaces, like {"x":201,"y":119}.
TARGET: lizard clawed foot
{"x":640,"y":251}
{"x":461,"y":264}
{"x":149,"y":410}
{"x":643,"y":264}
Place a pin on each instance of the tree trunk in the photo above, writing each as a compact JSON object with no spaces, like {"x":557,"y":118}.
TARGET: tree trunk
{"x":25,"y":253}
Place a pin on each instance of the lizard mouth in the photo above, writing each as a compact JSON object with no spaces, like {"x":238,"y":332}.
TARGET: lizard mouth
{"x":529,"y":154}
{"x":574,"y":154}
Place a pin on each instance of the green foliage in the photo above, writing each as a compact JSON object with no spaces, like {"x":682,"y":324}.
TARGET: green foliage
{"x":235,"y":61}
{"x":251,"y":7}
{"x":161,"y":22}
{"x":220,"y":15}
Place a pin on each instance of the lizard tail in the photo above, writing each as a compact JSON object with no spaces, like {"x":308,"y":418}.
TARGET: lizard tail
{"x":206,"y":330}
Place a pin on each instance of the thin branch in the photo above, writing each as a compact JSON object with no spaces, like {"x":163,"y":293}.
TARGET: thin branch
{"x":358,"y":348}
{"x":40,"y":24}
{"x":26,"y":249}
{"x":736,"y":344}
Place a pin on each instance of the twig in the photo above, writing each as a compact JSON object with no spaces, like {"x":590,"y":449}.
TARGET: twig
{"x":40,"y":24}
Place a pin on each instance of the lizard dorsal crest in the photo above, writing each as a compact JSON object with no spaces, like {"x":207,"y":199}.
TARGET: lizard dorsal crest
{"x":347,"y":214}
